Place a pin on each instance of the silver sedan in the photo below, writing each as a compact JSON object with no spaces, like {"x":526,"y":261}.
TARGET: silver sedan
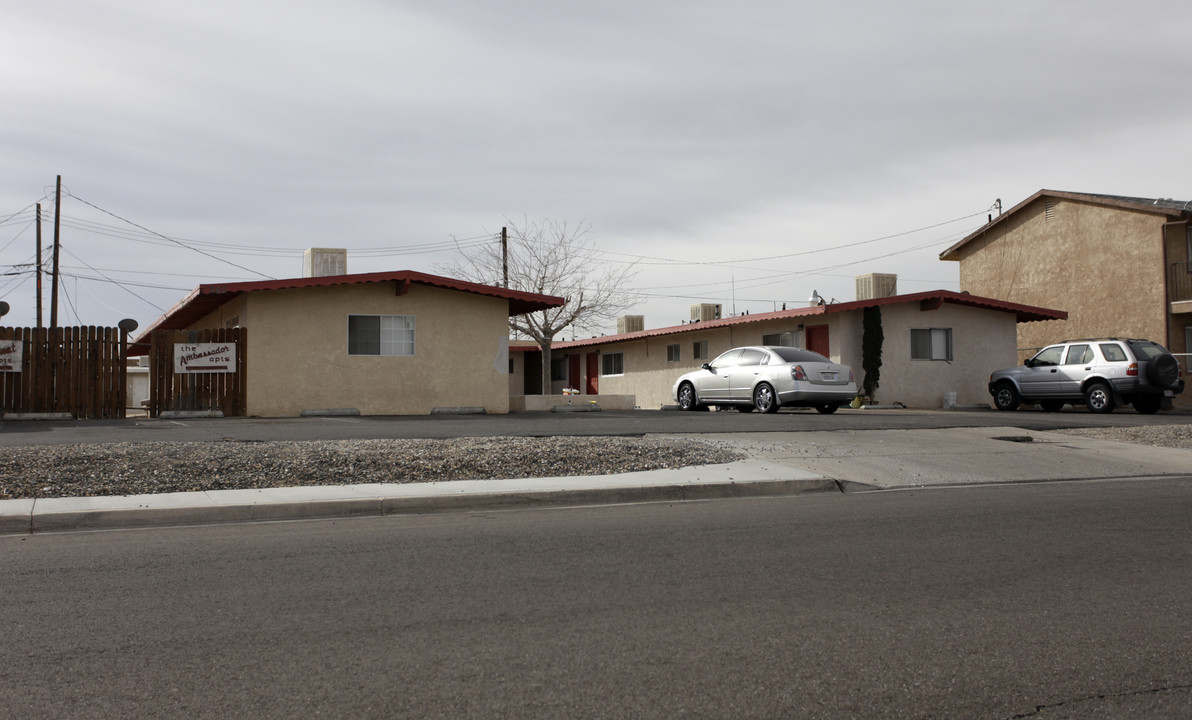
{"x":767,"y":378}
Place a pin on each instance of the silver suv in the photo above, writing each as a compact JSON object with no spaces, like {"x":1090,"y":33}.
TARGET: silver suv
{"x":1101,"y":373}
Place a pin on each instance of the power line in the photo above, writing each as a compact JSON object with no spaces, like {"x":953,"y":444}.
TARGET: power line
{"x":642,"y":259}
{"x":164,"y":237}
{"x":120,"y":285}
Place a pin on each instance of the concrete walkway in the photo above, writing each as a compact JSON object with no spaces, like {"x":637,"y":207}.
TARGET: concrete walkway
{"x":777,"y":464}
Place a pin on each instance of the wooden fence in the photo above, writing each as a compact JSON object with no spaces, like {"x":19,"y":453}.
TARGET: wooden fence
{"x":75,"y":370}
{"x":169,"y":390}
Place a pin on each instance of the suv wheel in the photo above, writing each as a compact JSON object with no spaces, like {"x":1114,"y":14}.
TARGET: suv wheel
{"x":1005,"y":397}
{"x":1099,"y":398}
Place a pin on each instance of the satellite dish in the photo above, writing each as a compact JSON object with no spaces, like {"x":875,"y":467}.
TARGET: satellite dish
{"x":3,"y":308}
{"x":127,"y":325}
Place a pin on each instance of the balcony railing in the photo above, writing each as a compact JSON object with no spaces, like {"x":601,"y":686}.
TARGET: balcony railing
{"x":1179,"y":282}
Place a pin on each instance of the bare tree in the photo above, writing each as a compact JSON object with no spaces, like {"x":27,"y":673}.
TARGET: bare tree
{"x":551,"y":257}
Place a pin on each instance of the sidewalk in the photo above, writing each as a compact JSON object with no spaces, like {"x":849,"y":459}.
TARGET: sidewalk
{"x":777,"y":464}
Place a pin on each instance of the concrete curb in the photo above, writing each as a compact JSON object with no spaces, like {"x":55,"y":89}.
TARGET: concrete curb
{"x":30,"y":520}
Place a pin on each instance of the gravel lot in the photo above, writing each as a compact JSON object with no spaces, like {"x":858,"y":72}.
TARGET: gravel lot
{"x":160,"y":467}
{"x":1176,"y":436}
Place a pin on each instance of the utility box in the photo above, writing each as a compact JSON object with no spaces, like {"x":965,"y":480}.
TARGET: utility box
{"x":705,"y":312}
{"x":876,"y":285}
{"x":630,"y":323}
{"x":324,"y":262}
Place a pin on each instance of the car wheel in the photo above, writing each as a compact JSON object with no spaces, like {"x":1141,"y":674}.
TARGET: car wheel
{"x":1005,"y":397}
{"x":1148,"y":405}
{"x":763,"y":398}
{"x":744,"y":408}
{"x":826,"y":409}
{"x":1099,"y":398}
{"x":1051,"y":405}
{"x":687,"y":397}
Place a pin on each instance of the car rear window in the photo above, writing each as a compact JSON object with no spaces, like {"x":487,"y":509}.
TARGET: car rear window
{"x":790,"y":354}
{"x":1145,"y":350}
{"x":1113,"y":352}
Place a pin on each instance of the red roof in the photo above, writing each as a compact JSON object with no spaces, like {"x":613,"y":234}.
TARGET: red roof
{"x":1022,"y":313}
{"x":206,"y":298}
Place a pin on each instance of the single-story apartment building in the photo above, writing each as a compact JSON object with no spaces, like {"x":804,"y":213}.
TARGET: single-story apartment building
{"x":382,"y":343}
{"x":935,"y":343}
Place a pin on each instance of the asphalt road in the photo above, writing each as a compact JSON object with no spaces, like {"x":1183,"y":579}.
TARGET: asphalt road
{"x":637,"y":422}
{"x":1064,"y":600}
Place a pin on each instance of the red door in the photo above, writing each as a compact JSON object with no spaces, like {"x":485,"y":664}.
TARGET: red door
{"x":593,"y":374}
{"x":817,"y":339}
{"x":573,"y":371}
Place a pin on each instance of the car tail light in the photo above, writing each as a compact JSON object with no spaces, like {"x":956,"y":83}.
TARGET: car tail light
{"x":797,"y":373}
{"x":1132,"y":371}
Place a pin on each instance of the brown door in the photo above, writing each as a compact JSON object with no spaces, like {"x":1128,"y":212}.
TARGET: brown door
{"x":817,"y":339}
{"x":593,"y":374}
{"x":573,"y":371}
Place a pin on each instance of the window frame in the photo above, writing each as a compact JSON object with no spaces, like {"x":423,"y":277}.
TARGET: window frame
{"x":699,"y":350}
{"x":617,"y":359}
{"x":385,"y":346}
{"x":949,"y":355}
{"x":673,"y":353}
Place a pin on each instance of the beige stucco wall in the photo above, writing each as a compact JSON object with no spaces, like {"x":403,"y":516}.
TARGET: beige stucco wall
{"x":1105,"y":266}
{"x":983,"y":341}
{"x":298,"y":351}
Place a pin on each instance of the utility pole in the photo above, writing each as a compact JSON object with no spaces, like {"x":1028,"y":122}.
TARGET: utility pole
{"x":54,"y":276}
{"x":38,"y":270}
{"x":505,"y":255}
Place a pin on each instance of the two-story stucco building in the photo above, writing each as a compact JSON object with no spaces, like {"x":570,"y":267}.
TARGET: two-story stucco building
{"x":1118,"y":265}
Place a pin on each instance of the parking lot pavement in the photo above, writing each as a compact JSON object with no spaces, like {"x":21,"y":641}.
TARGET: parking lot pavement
{"x":777,"y":463}
{"x":959,"y":456}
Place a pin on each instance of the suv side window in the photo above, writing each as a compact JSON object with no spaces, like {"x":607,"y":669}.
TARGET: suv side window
{"x":1079,"y":355}
{"x":1048,"y":357}
{"x":1113,"y":352}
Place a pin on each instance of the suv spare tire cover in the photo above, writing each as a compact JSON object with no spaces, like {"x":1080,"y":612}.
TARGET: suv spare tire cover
{"x":1163,"y":370}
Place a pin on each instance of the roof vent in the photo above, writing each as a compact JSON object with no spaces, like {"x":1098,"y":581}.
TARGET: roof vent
{"x":324,"y":262}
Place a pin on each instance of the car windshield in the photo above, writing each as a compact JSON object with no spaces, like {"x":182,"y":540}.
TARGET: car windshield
{"x":1146,"y":350}
{"x":793,"y":354}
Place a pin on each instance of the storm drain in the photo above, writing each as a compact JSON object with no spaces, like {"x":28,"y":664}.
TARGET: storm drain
{"x":1015,"y":438}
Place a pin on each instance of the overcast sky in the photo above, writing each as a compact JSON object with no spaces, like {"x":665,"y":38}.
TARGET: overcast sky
{"x":699,"y":137}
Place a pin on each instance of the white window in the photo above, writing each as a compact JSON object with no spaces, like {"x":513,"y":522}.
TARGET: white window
{"x":672,"y":353}
{"x":699,"y":350}
{"x":931,"y":344}
{"x":389,"y":335}
{"x":612,"y":364}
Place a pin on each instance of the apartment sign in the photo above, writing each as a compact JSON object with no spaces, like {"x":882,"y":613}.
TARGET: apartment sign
{"x":204,"y":358}
{"x":12,"y":354}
